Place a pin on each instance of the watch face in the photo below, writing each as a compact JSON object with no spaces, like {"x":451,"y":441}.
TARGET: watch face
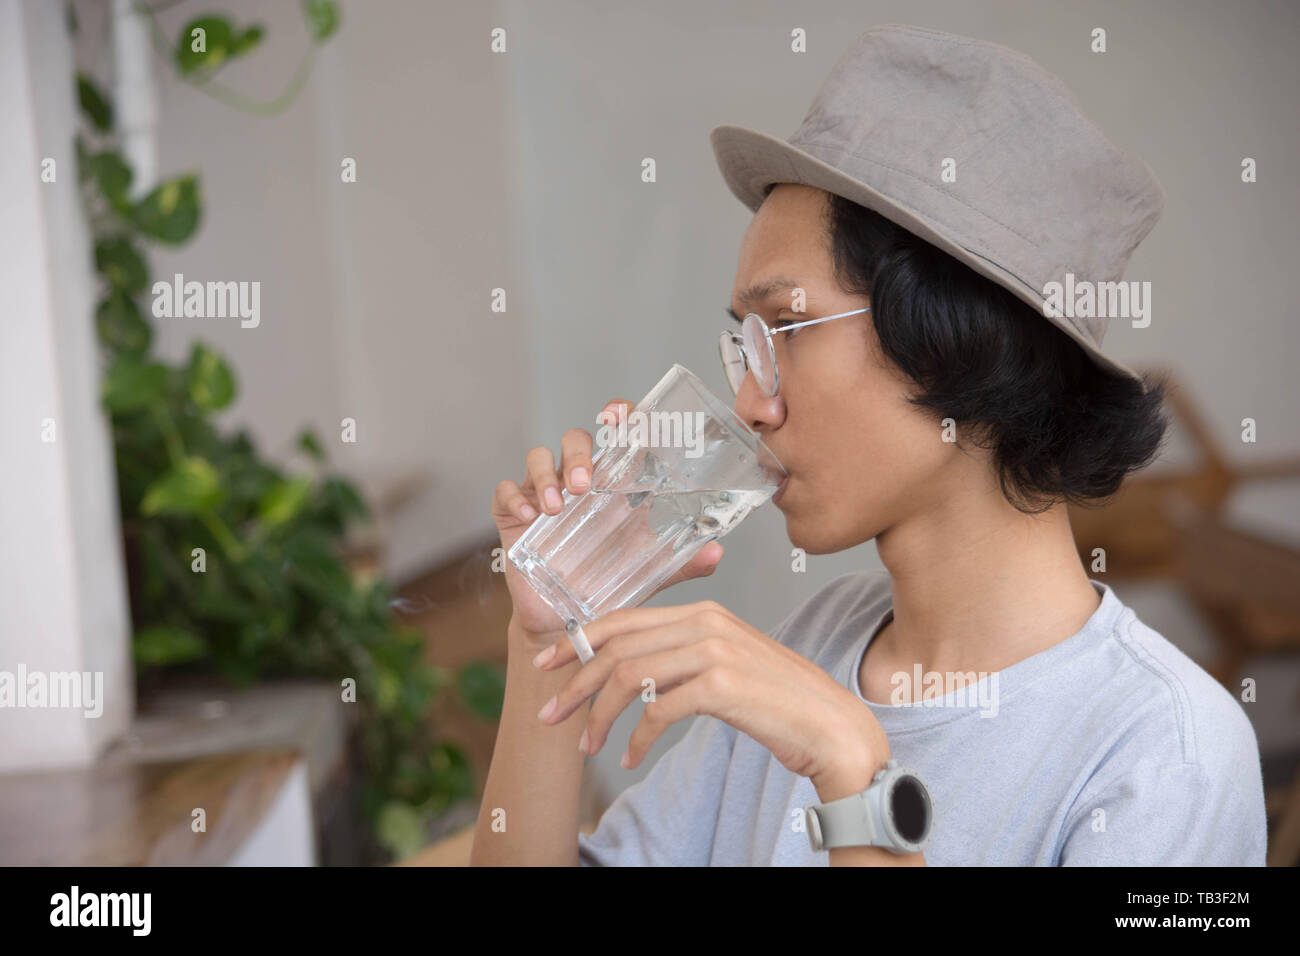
{"x":910,"y":808}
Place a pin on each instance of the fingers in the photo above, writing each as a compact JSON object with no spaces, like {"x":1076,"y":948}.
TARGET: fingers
{"x":615,"y":410}
{"x":509,"y":501}
{"x":545,"y":482}
{"x":657,"y":673}
{"x":540,"y":465}
{"x":686,"y":700}
{"x":625,"y":621}
{"x":700,"y":566}
{"x":575,"y":460}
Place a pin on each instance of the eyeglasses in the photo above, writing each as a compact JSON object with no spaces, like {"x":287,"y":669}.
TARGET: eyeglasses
{"x":751,"y":350}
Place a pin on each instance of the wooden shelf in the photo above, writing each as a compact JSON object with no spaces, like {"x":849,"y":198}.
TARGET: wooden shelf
{"x":195,"y":744}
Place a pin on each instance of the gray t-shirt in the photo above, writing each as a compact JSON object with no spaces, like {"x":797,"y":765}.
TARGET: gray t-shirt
{"x":1109,"y":748}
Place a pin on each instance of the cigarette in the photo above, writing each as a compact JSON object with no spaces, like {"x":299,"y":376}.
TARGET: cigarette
{"x":579,"y":640}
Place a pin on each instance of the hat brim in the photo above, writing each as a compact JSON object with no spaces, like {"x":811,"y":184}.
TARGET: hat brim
{"x":750,"y":161}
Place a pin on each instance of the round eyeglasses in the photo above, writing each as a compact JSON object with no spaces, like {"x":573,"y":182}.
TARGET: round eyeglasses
{"x":751,"y":350}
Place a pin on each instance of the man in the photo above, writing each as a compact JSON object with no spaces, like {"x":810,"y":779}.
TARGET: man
{"x":982,"y":701}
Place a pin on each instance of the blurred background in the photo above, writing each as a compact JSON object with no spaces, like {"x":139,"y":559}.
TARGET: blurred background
{"x":457,"y":259}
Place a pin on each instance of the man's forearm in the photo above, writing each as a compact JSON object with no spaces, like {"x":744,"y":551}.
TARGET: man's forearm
{"x":529,"y":814}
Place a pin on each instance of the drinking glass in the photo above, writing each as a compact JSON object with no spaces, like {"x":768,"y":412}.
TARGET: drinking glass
{"x":678,"y":471}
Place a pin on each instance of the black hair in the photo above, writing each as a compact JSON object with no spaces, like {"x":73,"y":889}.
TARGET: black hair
{"x":1060,"y":427}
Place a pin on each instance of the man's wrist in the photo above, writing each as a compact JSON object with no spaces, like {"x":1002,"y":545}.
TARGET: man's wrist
{"x":530,"y":642}
{"x":850,"y":771}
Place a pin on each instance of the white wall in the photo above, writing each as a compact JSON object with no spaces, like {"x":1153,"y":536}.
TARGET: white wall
{"x":375,"y":294}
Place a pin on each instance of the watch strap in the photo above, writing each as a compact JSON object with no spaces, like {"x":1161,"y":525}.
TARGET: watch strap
{"x":848,"y":821}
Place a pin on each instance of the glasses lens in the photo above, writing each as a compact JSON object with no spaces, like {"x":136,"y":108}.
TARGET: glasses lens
{"x":758,"y":348}
{"x":733,"y":360}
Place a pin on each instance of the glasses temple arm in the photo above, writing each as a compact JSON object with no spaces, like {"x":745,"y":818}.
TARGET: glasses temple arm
{"x":799,"y":325}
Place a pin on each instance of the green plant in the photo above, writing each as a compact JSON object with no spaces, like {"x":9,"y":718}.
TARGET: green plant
{"x":233,"y":564}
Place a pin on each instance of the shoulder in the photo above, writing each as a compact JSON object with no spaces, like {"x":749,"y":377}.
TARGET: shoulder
{"x":839,"y":610}
{"x":1170,"y":763}
{"x":1168,"y":736}
{"x":1174,"y":700}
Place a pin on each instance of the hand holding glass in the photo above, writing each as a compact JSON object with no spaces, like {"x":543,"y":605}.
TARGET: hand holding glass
{"x":679,"y":471}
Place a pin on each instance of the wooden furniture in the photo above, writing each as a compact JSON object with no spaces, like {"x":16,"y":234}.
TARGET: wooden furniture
{"x":1133,"y":526}
{"x":140,"y":814}
{"x":266,"y":765}
{"x":1246,"y":586}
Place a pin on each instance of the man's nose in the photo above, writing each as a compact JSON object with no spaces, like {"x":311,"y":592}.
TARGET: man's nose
{"x":761,"y":412}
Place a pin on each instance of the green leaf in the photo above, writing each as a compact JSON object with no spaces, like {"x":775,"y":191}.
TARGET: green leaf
{"x":208,"y":379}
{"x":343,"y":499}
{"x":246,"y":41}
{"x":322,"y":18}
{"x":482,"y":686}
{"x":419,"y":692}
{"x":312,"y":563}
{"x":309,"y":443}
{"x":247,"y":478}
{"x":215,"y":40}
{"x":283,"y":502}
{"x":388,"y":690}
{"x":171,"y":212}
{"x":113,"y":177}
{"x":452,"y":777}
{"x":121,"y":326}
{"x":121,"y":264}
{"x":93,"y":103}
{"x":164,"y":644}
{"x":225,"y":607}
{"x":190,"y":488}
{"x":262,"y":574}
{"x":401,"y":829}
{"x":132,"y":383}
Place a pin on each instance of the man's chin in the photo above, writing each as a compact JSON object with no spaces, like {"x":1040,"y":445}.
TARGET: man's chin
{"x":816,"y":537}
{"x":806,"y":539}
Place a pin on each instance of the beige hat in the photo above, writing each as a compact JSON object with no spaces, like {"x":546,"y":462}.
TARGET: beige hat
{"x":1039,"y":192}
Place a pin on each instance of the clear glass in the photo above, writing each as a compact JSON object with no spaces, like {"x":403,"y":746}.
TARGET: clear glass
{"x":680,"y":471}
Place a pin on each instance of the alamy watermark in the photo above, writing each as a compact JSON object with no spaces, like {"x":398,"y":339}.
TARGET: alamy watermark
{"x":916,"y":688}
{"x":129,"y":910}
{"x":53,"y":689}
{"x":1092,"y":300}
{"x":208,"y":300}
{"x":655,"y":429}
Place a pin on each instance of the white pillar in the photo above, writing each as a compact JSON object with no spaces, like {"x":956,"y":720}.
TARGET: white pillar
{"x":63,"y":604}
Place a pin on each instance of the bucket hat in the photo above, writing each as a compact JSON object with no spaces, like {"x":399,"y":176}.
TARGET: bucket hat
{"x":1039,"y":195}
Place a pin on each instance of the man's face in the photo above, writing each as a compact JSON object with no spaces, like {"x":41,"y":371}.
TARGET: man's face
{"x":860,"y":457}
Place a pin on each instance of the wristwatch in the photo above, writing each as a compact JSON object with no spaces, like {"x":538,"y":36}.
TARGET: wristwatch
{"x":895,"y":812}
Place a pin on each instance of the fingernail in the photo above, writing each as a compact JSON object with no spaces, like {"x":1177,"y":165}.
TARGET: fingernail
{"x":553,"y":499}
{"x":544,"y":657}
{"x":584,"y":743}
{"x":579,"y":477}
{"x":626,"y":762}
{"x":527,"y":512}
{"x":606,"y":418}
{"x":547,"y":709}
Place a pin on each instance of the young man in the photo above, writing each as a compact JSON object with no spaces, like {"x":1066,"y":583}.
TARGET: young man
{"x":982,"y":701}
